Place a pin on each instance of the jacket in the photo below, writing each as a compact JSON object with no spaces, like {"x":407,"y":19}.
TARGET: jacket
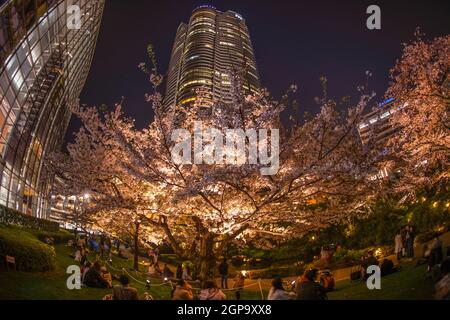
{"x":182,"y":293}
{"x":278,"y":294}
{"x":121,"y":292}
{"x":310,"y":290}
{"x":93,"y":279}
{"x":223,"y":269}
{"x":212,"y":294}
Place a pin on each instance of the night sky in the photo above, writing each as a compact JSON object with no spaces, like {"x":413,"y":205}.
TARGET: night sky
{"x":294,"y":42}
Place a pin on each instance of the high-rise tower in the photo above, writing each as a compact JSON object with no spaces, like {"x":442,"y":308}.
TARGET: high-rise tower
{"x":203,"y":54}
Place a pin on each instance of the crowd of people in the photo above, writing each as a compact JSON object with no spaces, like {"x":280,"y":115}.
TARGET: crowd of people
{"x":404,"y":242}
{"x":311,"y":285}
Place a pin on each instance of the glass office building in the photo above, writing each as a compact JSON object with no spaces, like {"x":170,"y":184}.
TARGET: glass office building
{"x":46,"y":49}
{"x":204,"y":52}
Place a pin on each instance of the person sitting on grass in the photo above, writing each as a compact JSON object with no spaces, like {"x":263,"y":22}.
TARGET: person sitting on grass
{"x":123,"y":291}
{"x":370,"y":260}
{"x":426,"y":251}
{"x":443,"y":284}
{"x":84,"y":257}
{"x":183,"y":291}
{"x":309,"y":289}
{"x":387,"y":267}
{"x":93,"y":277}
{"x":77,"y":254}
{"x":211,"y":292}
{"x":84,"y":270}
{"x":106,"y":276}
{"x":277,"y":291}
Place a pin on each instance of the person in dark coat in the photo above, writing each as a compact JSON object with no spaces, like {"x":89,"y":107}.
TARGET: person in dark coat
{"x":93,"y":277}
{"x":410,"y":235}
{"x":223,"y":270}
{"x":436,"y":255}
{"x":124,"y":291}
{"x":308,"y":288}
{"x":179,"y":272}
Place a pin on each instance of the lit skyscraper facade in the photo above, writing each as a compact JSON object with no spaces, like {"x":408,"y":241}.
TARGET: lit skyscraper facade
{"x":375,"y":124}
{"x":203,"y":54}
{"x":45,"y":57}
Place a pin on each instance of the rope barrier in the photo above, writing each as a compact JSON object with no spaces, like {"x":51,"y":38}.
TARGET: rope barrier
{"x":169,"y":283}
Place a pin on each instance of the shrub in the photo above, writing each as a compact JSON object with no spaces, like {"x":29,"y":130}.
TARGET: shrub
{"x":345,"y":257}
{"x":282,"y":271}
{"x":62,"y":236}
{"x":30,"y":253}
{"x":237,"y":261}
{"x":10,"y":216}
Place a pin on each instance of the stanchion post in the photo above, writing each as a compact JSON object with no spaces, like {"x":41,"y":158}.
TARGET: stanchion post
{"x":260,"y":289}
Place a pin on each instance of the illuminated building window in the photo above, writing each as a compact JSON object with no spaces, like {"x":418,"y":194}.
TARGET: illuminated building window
{"x":227,"y":44}
{"x":192,"y":58}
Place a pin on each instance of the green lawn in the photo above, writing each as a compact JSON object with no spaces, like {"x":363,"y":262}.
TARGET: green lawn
{"x":52,"y":285}
{"x":406,"y":284}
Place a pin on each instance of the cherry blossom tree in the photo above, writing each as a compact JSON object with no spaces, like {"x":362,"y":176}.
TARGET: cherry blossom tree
{"x":421,"y":86}
{"x":200,"y":208}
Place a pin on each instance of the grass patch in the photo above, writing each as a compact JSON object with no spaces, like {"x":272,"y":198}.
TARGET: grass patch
{"x":407,"y":284}
{"x":30,"y":254}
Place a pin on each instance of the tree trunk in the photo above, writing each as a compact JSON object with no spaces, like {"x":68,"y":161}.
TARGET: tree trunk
{"x":136,"y":247}
{"x":206,"y":259}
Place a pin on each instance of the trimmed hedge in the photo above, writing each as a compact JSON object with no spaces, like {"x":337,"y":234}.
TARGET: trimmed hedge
{"x":282,"y":271}
{"x":30,"y":253}
{"x":10,"y":216}
{"x":59,"y":237}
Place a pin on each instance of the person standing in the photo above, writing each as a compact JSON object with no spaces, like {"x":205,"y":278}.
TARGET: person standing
{"x":398,"y":244}
{"x":410,"y":242}
{"x":156,"y":255}
{"x":179,"y":272}
{"x":102,"y":246}
{"x":404,"y":236}
{"x":223,"y":270}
